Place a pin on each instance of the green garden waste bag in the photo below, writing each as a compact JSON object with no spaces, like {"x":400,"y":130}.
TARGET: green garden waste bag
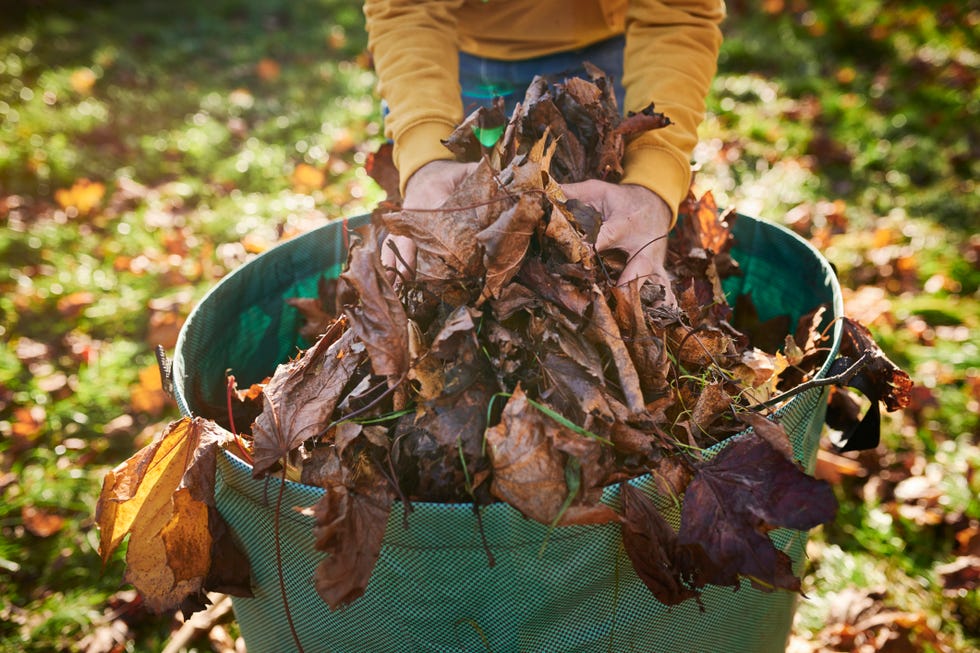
{"x":433,"y":589}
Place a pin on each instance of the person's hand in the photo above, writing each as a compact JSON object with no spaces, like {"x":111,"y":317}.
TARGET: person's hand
{"x":428,"y":188}
{"x":635,"y":222}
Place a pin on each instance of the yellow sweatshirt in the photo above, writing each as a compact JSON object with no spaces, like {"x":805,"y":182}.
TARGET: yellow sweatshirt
{"x":670,"y":59}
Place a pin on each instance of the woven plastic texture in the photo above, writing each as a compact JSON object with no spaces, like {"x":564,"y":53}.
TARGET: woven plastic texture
{"x":433,"y":589}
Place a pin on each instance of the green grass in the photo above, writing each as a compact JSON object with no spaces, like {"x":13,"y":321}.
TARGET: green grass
{"x":196,"y":118}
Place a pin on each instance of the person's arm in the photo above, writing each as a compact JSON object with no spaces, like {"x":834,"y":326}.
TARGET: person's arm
{"x":670,"y":59}
{"x":414,"y":45}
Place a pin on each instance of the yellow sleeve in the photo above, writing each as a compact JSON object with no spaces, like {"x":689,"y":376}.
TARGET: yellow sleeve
{"x":414,"y":46}
{"x":670,"y":59}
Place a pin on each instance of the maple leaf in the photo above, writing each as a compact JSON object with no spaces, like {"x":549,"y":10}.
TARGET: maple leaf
{"x":163,"y":497}
{"x":378,"y":317}
{"x":529,"y":471}
{"x":299,"y":400}
{"x":505,"y":242}
{"x":447,"y":248}
{"x":350,"y":522}
{"x":737,"y":497}
{"x":674,"y":572}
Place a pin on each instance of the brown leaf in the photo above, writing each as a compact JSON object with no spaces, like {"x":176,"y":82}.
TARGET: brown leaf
{"x":318,"y":312}
{"x":962,"y":573}
{"x":378,"y":318}
{"x":163,"y":497}
{"x":741,"y":494}
{"x":712,"y":402}
{"x":647,"y":350}
{"x":770,"y":431}
{"x":646,"y":120}
{"x":699,"y":347}
{"x":542,"y":118}
{"x":505,"y":242}
{"x":574,"y":391}
{"x":881,"y":380}
{"x":673,"y":571}
{"x":529,"y":471}
{"x":606,"y":331}
{"x":380,"y":166}
{"x":705,"y":227}
{"x":552,"y":288}
{"x":350,"y":524}
{"x":299,"y":401}
{"x":465,"y":141}
{"x":609,"y":165}
{"x":41,"y":522}
{"x":447,"y":239}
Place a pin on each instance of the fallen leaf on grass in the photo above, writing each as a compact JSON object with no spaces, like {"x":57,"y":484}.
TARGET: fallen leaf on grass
{"x":306,"y":179}
{"x":83,"y":196}
{"x":82,"y":80}
{"x":963,"y":573}
{"x":148,"y":396}
{"x":268,"y":70}
{"x":41,"y":522}
{"x":163,"y":497}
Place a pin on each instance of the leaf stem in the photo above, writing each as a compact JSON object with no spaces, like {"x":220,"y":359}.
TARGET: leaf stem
{"x":279,"y":573}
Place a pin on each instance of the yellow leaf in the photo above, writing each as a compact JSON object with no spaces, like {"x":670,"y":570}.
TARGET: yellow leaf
{"x":83,"y":196}
{"x":82,"y":80}
{"x":160,"y":497}
{"x":267,"y":70}
{"x":773,"y":6}
{"x":306,"y":178}
{"x":148,"y":396}
{"x":187,"y":538}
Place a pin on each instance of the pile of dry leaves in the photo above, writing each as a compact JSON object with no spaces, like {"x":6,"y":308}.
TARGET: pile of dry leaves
{"x":510,"y":368}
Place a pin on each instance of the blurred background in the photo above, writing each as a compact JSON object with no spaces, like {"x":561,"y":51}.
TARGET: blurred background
{"x":147,"y":148}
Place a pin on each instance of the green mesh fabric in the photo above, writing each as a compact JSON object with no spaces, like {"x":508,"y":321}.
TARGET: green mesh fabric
{"x":433,"y":589}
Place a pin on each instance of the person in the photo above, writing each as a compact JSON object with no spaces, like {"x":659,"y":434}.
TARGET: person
{"x":436,"y":59}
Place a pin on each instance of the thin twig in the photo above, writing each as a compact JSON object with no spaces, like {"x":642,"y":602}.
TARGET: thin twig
{"x":839,"y":379}
{"x":200,"y":622}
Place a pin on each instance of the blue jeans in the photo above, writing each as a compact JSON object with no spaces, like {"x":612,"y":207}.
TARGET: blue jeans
{"x":483,"y":79}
